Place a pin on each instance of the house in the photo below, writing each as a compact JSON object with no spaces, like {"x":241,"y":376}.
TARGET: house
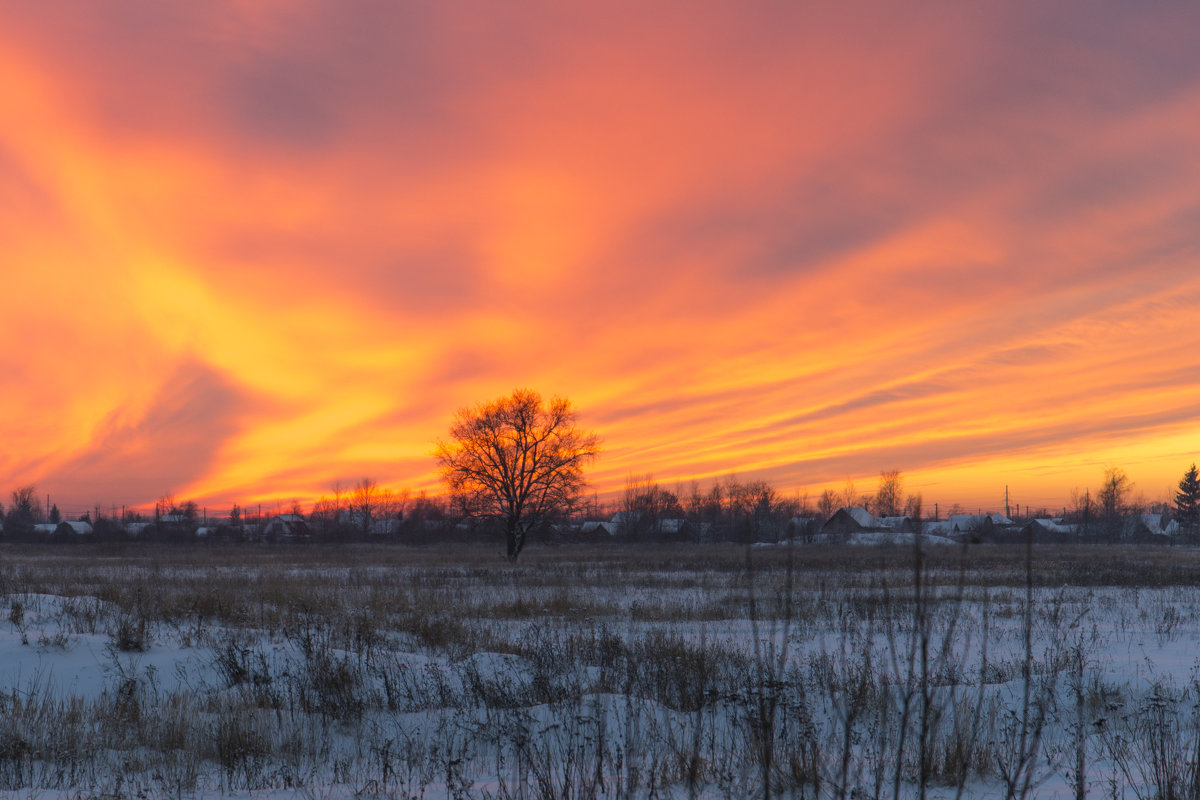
{"x":599,"y":528}
{"x":803,"y":528}
{"x":675,"y":530}
{"x":671,"y":525}
{"x":1047,"y":531}
{"x":963,"y":523}
{"x":356,"y":520}
{"x":850,"y":520}
{"x":176,"y":525}
{"x":135,"y":530}
{"x":943,"y":527}
{"x":897,"y":524}
{"x":1146,"y":529}
{"x":287,"y":526}
{"x":74,"y":528}
{"x":978,"y":527}
{"x":385,"y":527}
{"x":629,"y":522}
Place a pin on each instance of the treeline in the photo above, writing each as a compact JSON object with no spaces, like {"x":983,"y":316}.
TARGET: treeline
{"x":725,"y":510}
{"x":1105,"y":515}
{"x":363,"y":512}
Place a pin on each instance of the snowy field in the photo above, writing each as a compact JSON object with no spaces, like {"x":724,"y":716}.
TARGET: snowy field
{"x":706,"y":672}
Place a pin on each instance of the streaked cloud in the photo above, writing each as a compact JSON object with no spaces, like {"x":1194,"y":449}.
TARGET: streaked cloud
{"x":807,"y":242}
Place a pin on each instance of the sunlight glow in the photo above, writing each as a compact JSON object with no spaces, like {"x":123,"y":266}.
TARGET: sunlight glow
{"x":250,"y":253}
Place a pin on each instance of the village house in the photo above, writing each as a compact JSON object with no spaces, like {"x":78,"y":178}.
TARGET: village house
{"x":286,"y":527}
{"x":850,"y":520}
{"x":897,"y":524}
{"x":1047,"y":531}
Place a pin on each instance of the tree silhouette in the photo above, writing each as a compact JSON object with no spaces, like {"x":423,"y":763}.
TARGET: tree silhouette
{"x":517,"y":461}
{"x":1187,"y":501}
{"x":1111,"y":499}
{"x":889,"y":498}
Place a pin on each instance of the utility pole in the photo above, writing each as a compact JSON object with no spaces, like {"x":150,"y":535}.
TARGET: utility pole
{"x":936,"y":518}
{"x":1007,"y":510}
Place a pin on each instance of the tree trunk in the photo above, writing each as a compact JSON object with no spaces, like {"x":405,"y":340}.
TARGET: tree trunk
{"x":515,"y":538}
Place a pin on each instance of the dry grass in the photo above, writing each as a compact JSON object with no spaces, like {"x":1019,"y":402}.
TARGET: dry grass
{"x":609,"y":672}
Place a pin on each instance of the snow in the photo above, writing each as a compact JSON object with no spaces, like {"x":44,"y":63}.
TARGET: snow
{"x":861,"y":516}
{"x":1052,"y":526}
{"x":1135,"y":644}
{"x":887,"y":538}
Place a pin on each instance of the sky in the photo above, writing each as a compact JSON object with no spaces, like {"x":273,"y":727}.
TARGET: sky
{"x":251,"y":250}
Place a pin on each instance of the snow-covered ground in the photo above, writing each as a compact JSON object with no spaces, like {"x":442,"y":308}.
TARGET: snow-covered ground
{"x":581,"y":677}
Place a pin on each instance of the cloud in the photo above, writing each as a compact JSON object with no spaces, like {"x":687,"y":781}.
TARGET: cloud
{"x":193,"y":415}
{"x":779,"y":238}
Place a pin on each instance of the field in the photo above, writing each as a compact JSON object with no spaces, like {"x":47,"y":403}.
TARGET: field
{"x":627,"y":672}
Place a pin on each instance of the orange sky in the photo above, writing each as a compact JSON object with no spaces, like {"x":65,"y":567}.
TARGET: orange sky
{"x":252,"y":249}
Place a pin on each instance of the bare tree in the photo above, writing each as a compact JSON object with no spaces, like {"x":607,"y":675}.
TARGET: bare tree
{"x":363,"y":503}
{"x":517,"y":460}
{"x":889,"y":499}
{"x":912,"y":509}
{"x":23,"y":513}
{"x":827,"y":504}
{"x":389,"y":510}
{"x":850,"y":497}
{"x":645,"y":504}
{"x":1112,"y":500}
{"x":339,"y":492}
{"x":754,"y":511}
{"x":1083,"y":511}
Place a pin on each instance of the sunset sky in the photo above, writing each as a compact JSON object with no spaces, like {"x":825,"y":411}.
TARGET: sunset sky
{"x":253,"y":249}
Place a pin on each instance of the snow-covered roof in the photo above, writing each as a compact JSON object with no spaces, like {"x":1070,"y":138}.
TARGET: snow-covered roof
{"x":892,"y":522}
{"x":1153,"y":521}
{"x":895,"y":538}
{"x":970,"y":522}
{"x":78,"y":526}
{"x":1053,"y":526}
{"x":861,"y":516}
{"x":383,"y":527}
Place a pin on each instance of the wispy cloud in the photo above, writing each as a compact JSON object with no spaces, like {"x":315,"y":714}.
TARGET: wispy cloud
{"x":802,"y":242}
